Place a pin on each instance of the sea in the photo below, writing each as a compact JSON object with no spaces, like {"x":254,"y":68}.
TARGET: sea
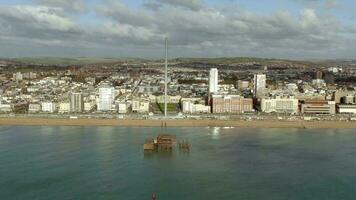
{"x":93,"y":162}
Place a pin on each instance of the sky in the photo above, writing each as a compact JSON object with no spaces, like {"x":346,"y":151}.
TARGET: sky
{"x":292,"y":29}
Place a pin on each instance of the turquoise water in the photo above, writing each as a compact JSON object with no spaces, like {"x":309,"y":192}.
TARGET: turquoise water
{"x":61,"y":163}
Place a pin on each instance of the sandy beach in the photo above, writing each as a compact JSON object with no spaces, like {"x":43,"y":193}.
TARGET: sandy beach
{"x":176,"y":123}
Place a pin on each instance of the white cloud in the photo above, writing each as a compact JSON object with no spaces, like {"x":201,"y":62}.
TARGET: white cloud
{"x":192,"y":30}
{"x":190,"y":4}
{"x":69,"y":5}
{"x":36,"y":17}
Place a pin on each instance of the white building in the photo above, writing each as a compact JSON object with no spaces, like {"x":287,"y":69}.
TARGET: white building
{"x":148,"y":89}
{"x":292,"y":87}
{"x":347,"y":109}
{"x":259,"y":84}
{"x":76,"y":102}
{"x":18,"y":76}
{"x":34,"y":108}
{"x":140,"y":106}
{"x":64,"y":107}
{"x":213,"y":80}
{"x":242,"y":85}
{"x":334,"y":69}
{"x":49,"y":107}
{"x":5,"y":107}
{"x":191,"y":108}
{"x":280,"y":105}
{"x":31,"y":89}
{"x":29,"y":75}
{"x":318,"y":82}
{"x":123,"y":107}
{"x":106,"y":98}
{"x":170,"y":99}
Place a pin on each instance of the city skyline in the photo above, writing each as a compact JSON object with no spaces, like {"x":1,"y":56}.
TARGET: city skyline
{"x":293,"y":29}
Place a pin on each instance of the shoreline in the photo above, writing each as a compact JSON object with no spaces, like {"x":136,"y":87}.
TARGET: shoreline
{"x":177,"y":123}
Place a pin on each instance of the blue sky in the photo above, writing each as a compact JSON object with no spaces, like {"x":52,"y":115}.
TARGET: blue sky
{"x":196,"y":28}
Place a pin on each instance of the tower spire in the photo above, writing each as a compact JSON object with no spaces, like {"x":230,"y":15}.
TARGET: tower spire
{"x":166,"y":78}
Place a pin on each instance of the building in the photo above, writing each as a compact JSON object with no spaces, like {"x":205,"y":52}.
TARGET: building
{"x":106,"y":98}
{"x":88,"y":106}
{"x":319,"y":83}
{"x":76,"y":102}
{"x":259,"y":84}
{"x":319,"y":75}
{"x":49,"y":107}
{"x":64,"y":107}
{"x":5,"y":107}
{"x":18,"y":76}
{"x":213,"y":81}
{"x":340,"y":94}
{"x":349,"y":99}
{"x":280,"y":105}
{"x":140,"y":106}
{"x":242,"y":85}
{"x":194,"y":108}
{"x":231,"y":104}
{"x":34,"y":108}
{"x":32,"y":89}
{"x":29,"y":75}
{"x":346,"y":109}
{"x":122,"y":107}
{"x":334,"y":69}
{"x":292,"y":87}
{"x":318,"y":107}
{"x":160,"y":99}
{"x":148,"y":89}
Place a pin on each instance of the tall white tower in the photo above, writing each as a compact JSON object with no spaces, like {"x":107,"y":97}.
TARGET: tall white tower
{"x":106,"y":98}
{"x":213,"y":80}
{"x":166,"y":78}
{"x":259,"y":84}
{"x":76,"y":102}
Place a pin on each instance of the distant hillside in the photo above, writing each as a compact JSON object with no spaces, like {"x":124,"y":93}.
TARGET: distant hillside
{"x":70,"y":61}
{"x":272,"y":62}
{"x":225,"y":60}
{"x":211,"y":61}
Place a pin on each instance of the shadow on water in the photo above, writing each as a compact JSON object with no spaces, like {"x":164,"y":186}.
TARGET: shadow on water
{"x":160,"y":155}
{"x":165,"y":154}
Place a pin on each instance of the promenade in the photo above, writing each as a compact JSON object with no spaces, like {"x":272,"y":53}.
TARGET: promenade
{"x":177,"y":123}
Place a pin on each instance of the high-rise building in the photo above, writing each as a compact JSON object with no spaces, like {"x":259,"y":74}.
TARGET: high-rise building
{"x":259,"y":84}
{"x":76,"y":102}
{"x":319,"y":74}
{"x":213,"y":80}
{"x":106,"y":98}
